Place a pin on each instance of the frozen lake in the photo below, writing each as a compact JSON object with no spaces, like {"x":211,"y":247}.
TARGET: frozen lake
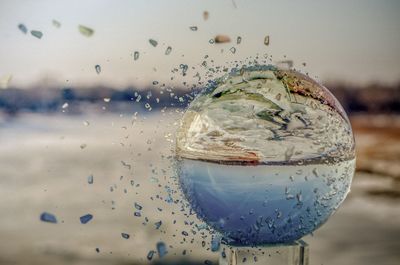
{"x":44,"y":165}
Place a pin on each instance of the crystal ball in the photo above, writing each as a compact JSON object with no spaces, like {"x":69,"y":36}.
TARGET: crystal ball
{"x":265,"y":155}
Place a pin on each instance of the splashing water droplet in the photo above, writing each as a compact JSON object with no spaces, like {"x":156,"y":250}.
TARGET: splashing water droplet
{"x":150,"y":255}
{"x":222,"y":39}
{"x":36,"y":33}
{"x":266,"y":40}
{"x":206,"y":15}
{"x":22,"y":28}
{"x":90,"y":179}
{"x":154,"y":43}
{"x":168,"y":50}
{"x":161,"y":249}
{"x":138,"y":206}
{"x":125,"y":235}
{"x":86,"y":218}
{"x":158,"y":224}
{"x":48,"y":217}
{"x":85,"y":31}
{"x":98,"y":68}
{"x":215,"y":243}
{"x":135,"y":55}
{"x":56,"y":23}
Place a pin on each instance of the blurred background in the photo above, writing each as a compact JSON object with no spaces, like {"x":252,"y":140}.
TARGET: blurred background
{"x":91,"y":93}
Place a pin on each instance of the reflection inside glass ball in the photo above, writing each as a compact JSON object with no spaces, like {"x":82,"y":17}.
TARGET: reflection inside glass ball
{"x":265,"y":155}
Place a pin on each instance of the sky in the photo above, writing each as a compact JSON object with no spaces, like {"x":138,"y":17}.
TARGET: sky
{"x":355,"y":41}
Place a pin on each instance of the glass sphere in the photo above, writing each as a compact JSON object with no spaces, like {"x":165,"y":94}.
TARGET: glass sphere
{"x":265,"y":155}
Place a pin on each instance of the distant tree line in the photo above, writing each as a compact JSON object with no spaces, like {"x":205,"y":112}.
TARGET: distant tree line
{"x":14,"y":100}
{"x":373,"y":98}
{"x":370,"y":99}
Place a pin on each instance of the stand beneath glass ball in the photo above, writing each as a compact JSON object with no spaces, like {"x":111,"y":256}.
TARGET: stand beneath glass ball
{"x":296,"y":253}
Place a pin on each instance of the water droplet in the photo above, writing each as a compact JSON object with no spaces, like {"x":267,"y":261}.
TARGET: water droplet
{"x":154,"y":179}
{"x":85,"y":31}
{"x":193,"y":28}
{"x":125,"y":235}
{"x":86,"y":218}
{"x":98,"y":68}
{"x":239,"y":40}
{"x":126,"y":165}
{"x":215,"y":243}
{"x":184,"y":68}
{"x":150,"y":255}
{"x":205,"y":15}
{"x":158,"y":224}
{"x":65,"y":105}
{"x":107,"y":99}
{"x":148,"y":106}
{"x":278,"y":214}
{"x":90,"y":179}
{"x":222,"y":39}
{"x":201,"y":226}
{"x":168,"y":50}
{"x":135,"y":55}
{"x":233,"y":50}
{"x":161,"y":249}
{"x":184,"y":233}
{"x":299,"y":197}
{"x":266,"y":40}
{"x":22,"y":28}
{"x":48,"y":217}
{"x":289,"y":197}
{"x":137,"y":214}
{"x":138,"y":206}
{"x":56,"y":23}
{"x":154,"y":43}
{"x":36,"y":33}
{"x":83,"y":146}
